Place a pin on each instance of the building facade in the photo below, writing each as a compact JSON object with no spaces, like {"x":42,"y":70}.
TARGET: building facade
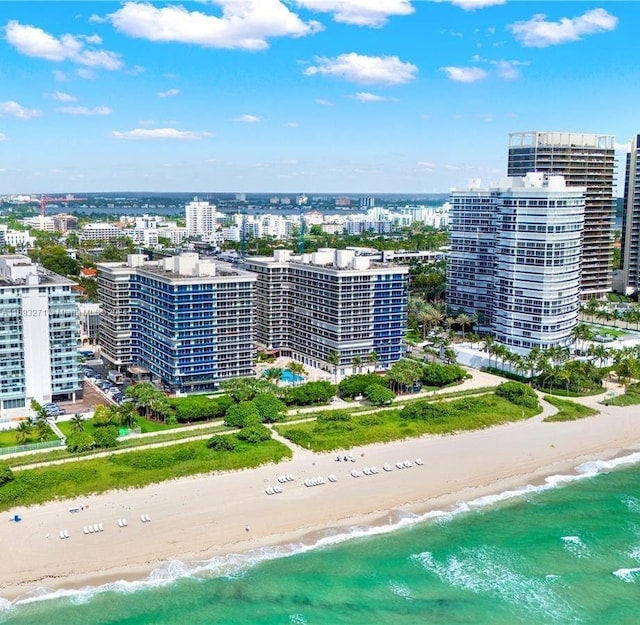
{"x":584,"y":160}
{"x":189,"y":321}
{"x":200,"y":218}
{"x":38,"y":338}
{"x":630,"y":253}
{"x":331,"y":309}
{"x":515,"y":259}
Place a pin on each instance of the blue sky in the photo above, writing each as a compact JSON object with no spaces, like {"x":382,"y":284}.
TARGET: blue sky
{"x":362,"y":96}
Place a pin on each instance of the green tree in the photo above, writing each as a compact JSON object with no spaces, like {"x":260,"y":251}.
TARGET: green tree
{"x":270,"y":408}
{"x":127,"y":415}
{"x":43,"y":431}
{"x":297,"y":368}
{"x":242,"y":415}
{"x":333,"y":358}
{"x":106,"y":437}
{"x":404,"y":374}
{"x":23,"y":432}
{"x":103,"y":416}
{"x":379,"y":395}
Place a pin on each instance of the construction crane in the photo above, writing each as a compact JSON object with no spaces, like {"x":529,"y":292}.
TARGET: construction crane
{"x":44,"y":200}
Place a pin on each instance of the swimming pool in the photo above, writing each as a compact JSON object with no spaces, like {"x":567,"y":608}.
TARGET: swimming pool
{"x":288,"y":377}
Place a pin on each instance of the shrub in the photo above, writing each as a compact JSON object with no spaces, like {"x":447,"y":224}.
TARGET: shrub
{"x":6,"y":474}
{"x":333,"y":416}
{"x":79,"y":442}
{"x":106,"y":437}
{"x":270,"y":408}
{"x":310,"y":393}
{"x":199,"y":407}
{"x":425,"y":410}
{"x":223,"y":443}
{"x":254,"y":434}
{"x":241,"y":415}
{"x":518,"y":394}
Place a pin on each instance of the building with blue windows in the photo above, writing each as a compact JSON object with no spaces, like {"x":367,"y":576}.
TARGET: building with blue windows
{"x":187,"y":320}
{"x":39,"y":334}
{"x":331,"y":309}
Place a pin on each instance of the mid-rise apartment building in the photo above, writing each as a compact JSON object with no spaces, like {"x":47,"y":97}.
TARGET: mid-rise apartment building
{"x":39,"y":336}
{"x":584,"y":160}
{"x":331,"y":305}
{"x":188,"y":320}
{"x":201,"y":218}
{"x":515,"y":259}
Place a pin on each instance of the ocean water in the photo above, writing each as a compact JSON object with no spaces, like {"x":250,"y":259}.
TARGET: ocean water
{"x":566,"y":552}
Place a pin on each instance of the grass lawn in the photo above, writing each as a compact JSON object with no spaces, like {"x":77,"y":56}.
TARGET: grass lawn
{"x":568,"y":410}
{"x":132,"y":470}
{"x":8,"y":438}
{"x":470,"y":413}
{"x":145,"y":426}
{"x":630,"y":397}
{"x":560,"y":392}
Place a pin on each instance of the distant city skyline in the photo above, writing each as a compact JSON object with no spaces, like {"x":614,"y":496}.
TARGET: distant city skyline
{"x":272,"y":96}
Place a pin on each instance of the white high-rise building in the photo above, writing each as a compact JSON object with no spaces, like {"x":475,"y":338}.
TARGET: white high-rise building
{"x":201,"y":218}
{"x":515,"y":261}
{"x":630,"y":253}
{"x":39,"y":336}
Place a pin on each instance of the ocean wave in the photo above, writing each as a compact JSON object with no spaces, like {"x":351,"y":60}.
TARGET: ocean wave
{"x":491,"y":571}
{"x":401,"y":590}
{"x":575,"y":546}
{"x":234,"y":565}
{"x":627,"y":575}
{"x":633,"y":503}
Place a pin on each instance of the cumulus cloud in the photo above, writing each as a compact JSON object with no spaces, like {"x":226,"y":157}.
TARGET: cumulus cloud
{"x":3,"y":137}
{"x":11,"y":108}
{"x":169,"y":93}
{"x":247,"y":119}
{"x":471,"y":5}
{"x":292,"y":124}
{"x":245,"y":25}
{"x":323,"y":102}
{"x":86,"y":73}
{"x":35,"y":42}
{"x":364,"y":96}
{"x":464,"y":74}
{"x":426,"y":165}
{"x":59,"y":76}
{"x":366,"y":70}
{"x":143,"y":134}
{"x":539,"y":33}
{"x":84,"y":110}
{"x":61,"y":96}
{"x":374,"y":13}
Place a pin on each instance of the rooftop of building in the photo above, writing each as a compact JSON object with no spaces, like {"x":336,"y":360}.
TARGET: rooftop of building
{"x":537,"y":138}
{"x":20,"y":270}
{"x":531,"y":183}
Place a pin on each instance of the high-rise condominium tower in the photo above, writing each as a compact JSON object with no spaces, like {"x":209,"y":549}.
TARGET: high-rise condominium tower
{"x":584,"y":160}
{"x":630,"y":256}
{"x":515,"y":259}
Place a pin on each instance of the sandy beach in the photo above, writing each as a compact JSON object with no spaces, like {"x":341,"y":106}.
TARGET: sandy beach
{"x":194,"y":519}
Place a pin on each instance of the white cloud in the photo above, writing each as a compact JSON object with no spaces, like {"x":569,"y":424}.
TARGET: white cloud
{"x":142,"y":134}
{"x":84,"y":110}
{"x":146,"y":123}
{"x":61,"y":96}
{"x":245,"y":24}
{"x":367,"y":70}
{"x":169,"y":93}
{"x":360,"y":12}
{"x":426,"y":165}
{"x":464,"y":74}
{"x":292,"y":124}
{"x":60,"y":76}
{"x":136,"y":70}
{"x":471,"y":5}
{"x":247,"y":119}
{"x":13,"y":109}
{"x":363,"y":96}
{"x":3,"y":137}
{"x":323,"y":102}
{"x":508,"y":70}
{"x":87,"y":74}
{"x":539,"y":33}
{"x":35,"y":42}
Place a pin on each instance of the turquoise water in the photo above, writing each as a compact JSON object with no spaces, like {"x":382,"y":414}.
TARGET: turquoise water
{"x":567,"y":553}
{"x":289,"y":377}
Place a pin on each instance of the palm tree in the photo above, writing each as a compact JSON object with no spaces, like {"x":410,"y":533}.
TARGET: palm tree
{"x":77,"y":423}
{"x":357,"y":364}
{"x":127,"y":414}
{"x":599,"y":353}
{"x":372,"y":358}
{"x":464,"y":320}
{"x":42,"y":429}
{"x":273,"y":374}
{"x":581,"y":334}
{"x":297,"y":368}
{"x":333,"y":358}
{"x":23,"y":431}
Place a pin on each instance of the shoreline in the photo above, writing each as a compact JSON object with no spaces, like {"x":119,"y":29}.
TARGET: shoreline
{"x":202,"y":521}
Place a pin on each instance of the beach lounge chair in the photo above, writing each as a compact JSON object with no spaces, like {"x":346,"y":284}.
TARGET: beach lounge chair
{"x":124,"y":523}
{"x":387,"y":467}
{"x":400,"y":465}
{"x":66,"y":533}
{"x":419,"y":462}
{"x":142,"y":518}
{"x":120,"y":523}
{"x":147,"y":518}
{"x":61,"y":534}
{"x":96,"y":528}
{"x":267,"y":490}
{"x":90,"y":528}
{"x":355,"y":473}
{"x":85,"y":529}
{"x":407,"y":464}
{"x":101,"y":527}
